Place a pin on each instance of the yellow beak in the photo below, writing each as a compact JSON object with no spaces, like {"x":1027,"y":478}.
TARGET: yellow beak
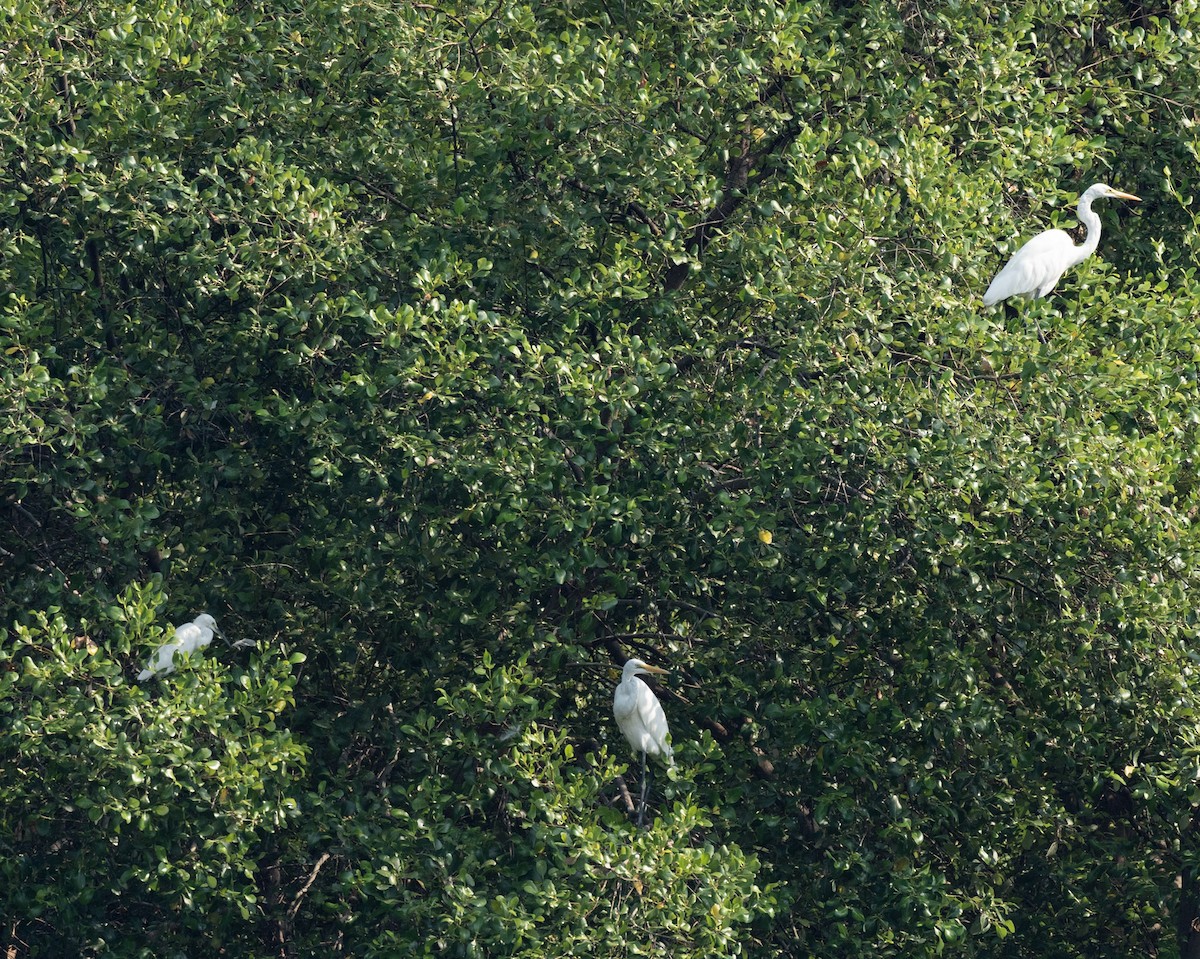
{"x":654,"y":669}
{"x":1124,"y":196}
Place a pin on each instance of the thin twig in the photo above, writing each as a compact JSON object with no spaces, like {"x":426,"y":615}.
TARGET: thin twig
{"x":629,"y":807}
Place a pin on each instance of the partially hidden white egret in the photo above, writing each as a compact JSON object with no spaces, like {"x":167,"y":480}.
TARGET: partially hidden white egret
{"x":640,"y":717}
{"x":187,"y":639}
{"x":1037,"y":266}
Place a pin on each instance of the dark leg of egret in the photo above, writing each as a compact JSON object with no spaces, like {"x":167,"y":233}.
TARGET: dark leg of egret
{"x":645,"y":785}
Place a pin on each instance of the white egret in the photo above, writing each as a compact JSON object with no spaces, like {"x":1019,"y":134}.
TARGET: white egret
{"x":1036,"y":267}
{"x":640,"y":717}
{"x":187,"y":639}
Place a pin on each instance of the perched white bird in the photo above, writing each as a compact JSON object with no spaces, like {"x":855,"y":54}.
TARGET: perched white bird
{"x":1036,"y":267}
{"x":638,"y":712}
{"x":187,"y":639}
{"x":640,"y":717}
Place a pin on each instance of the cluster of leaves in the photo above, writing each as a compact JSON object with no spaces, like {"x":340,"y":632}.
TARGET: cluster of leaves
{"x":125,"y":805}
{"x":467,"y":348}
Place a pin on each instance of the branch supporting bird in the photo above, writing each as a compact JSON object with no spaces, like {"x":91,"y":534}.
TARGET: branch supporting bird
{"x":640,"y":717}
{"x":1038,"y":265}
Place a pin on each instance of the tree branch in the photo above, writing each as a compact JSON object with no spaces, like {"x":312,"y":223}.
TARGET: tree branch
{"x":738,"y":184}
{"x":312,"y":877}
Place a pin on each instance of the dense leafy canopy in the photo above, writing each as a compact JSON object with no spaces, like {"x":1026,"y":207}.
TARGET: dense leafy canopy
{"x":454,"y":351}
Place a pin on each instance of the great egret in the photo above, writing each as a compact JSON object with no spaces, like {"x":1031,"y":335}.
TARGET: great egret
{"x":187,"y":639}
{"x":1036,"y":267}
{"x":640,"y":717}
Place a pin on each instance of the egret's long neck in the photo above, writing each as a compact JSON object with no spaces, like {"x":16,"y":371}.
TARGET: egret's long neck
{"x":1092,"y":222}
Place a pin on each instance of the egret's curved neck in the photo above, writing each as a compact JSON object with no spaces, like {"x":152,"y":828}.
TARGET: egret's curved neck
{"x":1092,"y":222}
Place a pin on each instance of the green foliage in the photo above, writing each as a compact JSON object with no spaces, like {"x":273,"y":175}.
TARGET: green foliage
{"x":499,"y":833}
{"x":468,"y":348}
{"x":125,"y":804}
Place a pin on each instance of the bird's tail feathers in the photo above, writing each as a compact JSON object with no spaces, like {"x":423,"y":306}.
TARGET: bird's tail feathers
{"x":144,"y":675}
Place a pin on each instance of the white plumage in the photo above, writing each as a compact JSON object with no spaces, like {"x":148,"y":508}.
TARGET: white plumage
{"x":639,"y":714}
{"x":1037,"y":266}
{"x":187,"y":639}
